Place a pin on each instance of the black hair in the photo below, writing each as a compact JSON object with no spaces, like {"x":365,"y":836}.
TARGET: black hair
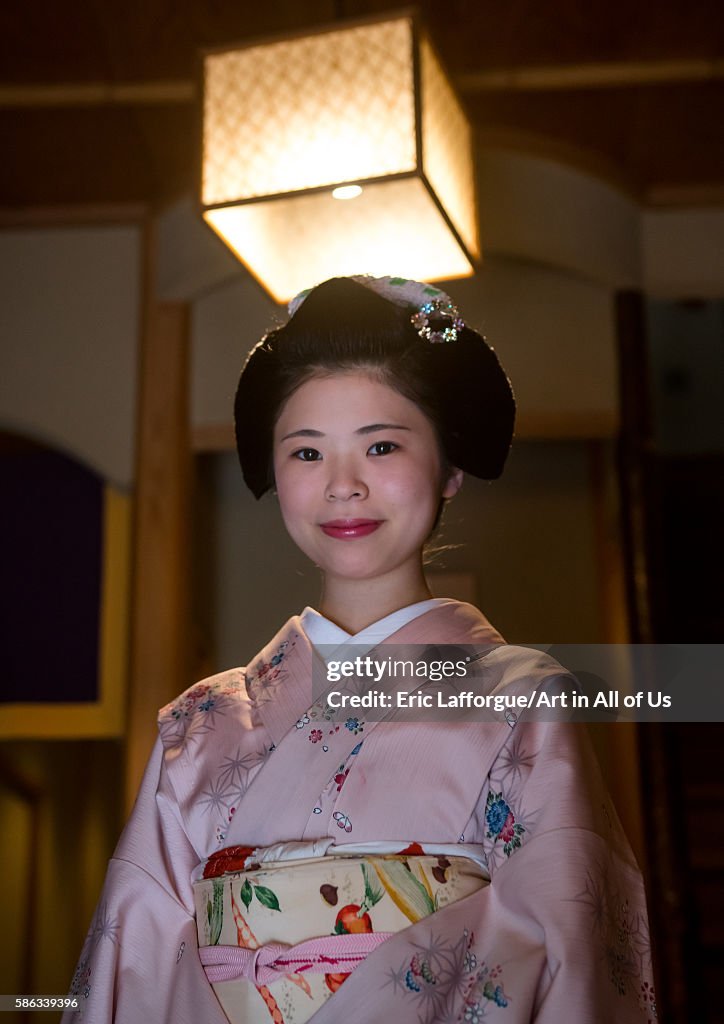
{"x":340,"y":327}
{"x":345,"y":325}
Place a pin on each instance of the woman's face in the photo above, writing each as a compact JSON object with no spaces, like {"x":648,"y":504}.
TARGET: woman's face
{"x":359,"y":475}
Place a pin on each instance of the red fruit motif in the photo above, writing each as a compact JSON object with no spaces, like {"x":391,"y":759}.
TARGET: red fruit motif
{"x":351,"y":920}
{"x":233,"y":858}
{"x":413,"y":850}
{"x":354,"y":919}
{"x":335,"y":981}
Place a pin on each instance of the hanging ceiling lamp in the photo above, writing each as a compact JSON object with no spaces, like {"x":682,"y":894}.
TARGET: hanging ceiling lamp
{"x":344,"y":151}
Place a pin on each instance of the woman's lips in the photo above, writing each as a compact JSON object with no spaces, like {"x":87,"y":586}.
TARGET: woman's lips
{"x":350,"y":529}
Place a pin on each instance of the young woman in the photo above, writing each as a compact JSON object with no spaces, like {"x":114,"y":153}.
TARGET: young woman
{"x":294,"y":855}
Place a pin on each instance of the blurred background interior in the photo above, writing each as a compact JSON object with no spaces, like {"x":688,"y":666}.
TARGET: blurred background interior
{"x":134,"y":561}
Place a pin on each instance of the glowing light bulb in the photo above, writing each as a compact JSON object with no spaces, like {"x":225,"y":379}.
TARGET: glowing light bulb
{"x":347,"y":191}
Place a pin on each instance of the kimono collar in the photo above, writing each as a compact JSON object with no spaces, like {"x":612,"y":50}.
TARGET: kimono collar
{"x":322,"y":631}
{"x":279,"y":679}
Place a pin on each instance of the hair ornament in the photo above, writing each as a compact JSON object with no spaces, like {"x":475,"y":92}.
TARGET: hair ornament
{"x":438,"y":321}
{"x":435,"y":317}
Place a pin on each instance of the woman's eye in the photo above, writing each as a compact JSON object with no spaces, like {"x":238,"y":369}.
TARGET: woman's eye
{"x":382,"y":448}
{"x":307,"y":454}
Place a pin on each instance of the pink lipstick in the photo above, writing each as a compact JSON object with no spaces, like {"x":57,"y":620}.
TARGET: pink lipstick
{"x":350,"y":529}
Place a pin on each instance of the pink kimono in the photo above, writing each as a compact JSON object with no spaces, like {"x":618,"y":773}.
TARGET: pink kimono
{"x":559,"y":935}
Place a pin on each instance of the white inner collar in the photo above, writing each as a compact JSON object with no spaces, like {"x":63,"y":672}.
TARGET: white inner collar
{"x":321,"y":631}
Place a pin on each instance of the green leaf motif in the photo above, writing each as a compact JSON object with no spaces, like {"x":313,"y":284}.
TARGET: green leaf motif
{"x":217,"y":911}
{"x":246,"y":893}
{"x":373,"y":892}
{"x":266,"y":897}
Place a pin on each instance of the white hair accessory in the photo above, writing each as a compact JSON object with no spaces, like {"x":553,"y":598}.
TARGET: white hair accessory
{"x":435,"y":318}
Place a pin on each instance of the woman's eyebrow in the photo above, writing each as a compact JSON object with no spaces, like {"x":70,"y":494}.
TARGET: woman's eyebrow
{"x":373,"y":427}
{"x":305,"y":432}
{"x":370,"y":429}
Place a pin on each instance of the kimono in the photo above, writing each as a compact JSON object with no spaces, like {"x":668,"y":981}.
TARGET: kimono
{"x":248,"y":757}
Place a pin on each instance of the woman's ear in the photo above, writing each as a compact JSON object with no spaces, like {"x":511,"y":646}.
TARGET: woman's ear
{"x":453,"y":482}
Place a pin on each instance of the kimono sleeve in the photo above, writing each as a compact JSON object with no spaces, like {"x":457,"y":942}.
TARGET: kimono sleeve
{"x":566,"y":902}
{"x":140,"y":959}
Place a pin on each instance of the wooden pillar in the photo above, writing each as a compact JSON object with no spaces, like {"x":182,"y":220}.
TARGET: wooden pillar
{"x":621,"y":739}
{"x":670,"y":895}
{"x":161,"y":563}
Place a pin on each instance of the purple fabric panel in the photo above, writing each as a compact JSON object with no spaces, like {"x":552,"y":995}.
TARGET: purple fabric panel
{"x":51,"y":547}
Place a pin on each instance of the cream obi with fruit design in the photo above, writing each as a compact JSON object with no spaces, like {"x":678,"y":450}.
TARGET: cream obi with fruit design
{"x":279,"y":940}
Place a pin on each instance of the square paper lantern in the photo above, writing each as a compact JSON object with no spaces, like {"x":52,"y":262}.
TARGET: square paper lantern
{"x":341,"y":152}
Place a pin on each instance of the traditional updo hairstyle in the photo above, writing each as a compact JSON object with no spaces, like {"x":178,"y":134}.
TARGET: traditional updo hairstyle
{"x":344,"y":325}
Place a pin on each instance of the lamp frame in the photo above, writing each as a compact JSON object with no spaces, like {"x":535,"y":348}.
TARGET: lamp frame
{"x":418,"y":34}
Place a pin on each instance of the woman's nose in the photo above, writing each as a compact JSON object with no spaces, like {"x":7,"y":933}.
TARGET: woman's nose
{"x":345,"y":482}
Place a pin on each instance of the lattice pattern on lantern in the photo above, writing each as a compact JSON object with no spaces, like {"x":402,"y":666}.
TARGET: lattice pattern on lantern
{"x":318,"y":237}
{"x":308,"y":112}
{"x":286,"y":122}
{"x":447,"y":148}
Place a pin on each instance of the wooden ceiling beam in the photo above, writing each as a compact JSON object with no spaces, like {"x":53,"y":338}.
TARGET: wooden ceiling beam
{"x":97,"y":94}
{"x":613,"y":74}
{"x":603,"y":75}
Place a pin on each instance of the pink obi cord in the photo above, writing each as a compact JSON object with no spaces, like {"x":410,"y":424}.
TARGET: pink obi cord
{"x":330,"y":954}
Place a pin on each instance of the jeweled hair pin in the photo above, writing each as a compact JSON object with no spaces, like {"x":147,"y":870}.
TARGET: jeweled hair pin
{"x":434,"y":315}
{"x":438,"y":321}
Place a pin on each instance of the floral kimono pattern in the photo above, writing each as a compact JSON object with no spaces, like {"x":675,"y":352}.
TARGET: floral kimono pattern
{"x":247,"y":758}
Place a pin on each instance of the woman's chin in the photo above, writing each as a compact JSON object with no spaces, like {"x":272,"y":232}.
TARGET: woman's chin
{"x":349,"y":572}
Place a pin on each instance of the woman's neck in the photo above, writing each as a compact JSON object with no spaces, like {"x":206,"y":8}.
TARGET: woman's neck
{"x":356,"y":604}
